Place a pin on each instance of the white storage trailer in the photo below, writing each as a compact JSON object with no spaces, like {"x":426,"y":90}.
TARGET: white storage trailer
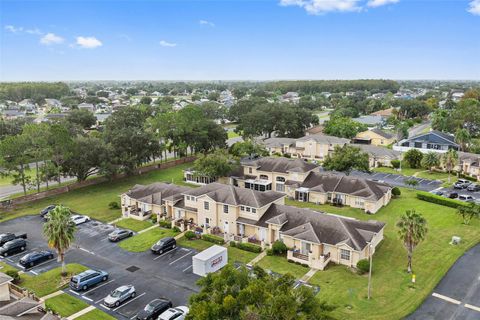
{"x":209,"y":260}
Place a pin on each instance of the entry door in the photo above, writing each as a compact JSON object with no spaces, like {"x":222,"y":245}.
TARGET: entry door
{"x":241,"y":228}
{"x":306,"y":248}
{"x":263,"y":234}
{"x":225,"y":227}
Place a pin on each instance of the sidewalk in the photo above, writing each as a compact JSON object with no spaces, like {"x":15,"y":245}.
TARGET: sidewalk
{"x":81,"y":312}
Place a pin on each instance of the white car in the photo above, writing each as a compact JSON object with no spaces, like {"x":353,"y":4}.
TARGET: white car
{"x":79,"y":219}
{"x":177,"y":313}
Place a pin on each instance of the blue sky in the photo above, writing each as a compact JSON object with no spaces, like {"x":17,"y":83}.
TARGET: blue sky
{"x":239,"y":40}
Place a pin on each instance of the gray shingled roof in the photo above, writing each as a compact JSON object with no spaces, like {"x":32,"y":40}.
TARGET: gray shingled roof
{"x":379,"y":151}
{"x":284,"y":165}
{"x":322,"y":138}
{"x":320,"y":227}
{"x":278,"y":142}
{"x":382,"y":133}
{"x":235,"y":195}
{"x":155,"y":193}
{"x":326,"y":182}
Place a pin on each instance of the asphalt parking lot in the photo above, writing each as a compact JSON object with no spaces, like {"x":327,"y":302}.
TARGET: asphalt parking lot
{"x":399,"y":180}
{"x":154,"y":276}
{"x":475,"y":194}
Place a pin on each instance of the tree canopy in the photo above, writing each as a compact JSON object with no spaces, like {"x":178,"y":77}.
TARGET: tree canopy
{"x":347,"y":158}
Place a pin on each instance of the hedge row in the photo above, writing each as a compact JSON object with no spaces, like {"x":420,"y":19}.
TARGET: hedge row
{"x":214,"y":239}
{"x":246,"y":246}
{"x":165,"y":224}
{"x":433,"y":198}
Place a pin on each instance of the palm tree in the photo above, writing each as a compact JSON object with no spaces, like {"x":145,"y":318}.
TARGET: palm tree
{"x":449,"y":160}
{"x":412,"y":228}
{"x":462,"y":137}
{"x":430,"y":160}
{"x":60,"y":232}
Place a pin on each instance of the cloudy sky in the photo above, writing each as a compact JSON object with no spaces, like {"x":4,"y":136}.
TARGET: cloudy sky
{"x":239,"y":39}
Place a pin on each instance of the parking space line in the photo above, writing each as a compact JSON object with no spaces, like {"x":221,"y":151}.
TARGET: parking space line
{"x":398,"y":177}
{"x":87,"y":251}
{"x":469,"y":306}
{"x":440,"y":296}
{"x":388,"y":175}
{"x":33,"y":272}
{"x":184,"y":249}
{"x":74,"y":292}
{"x":179,"y":258}
{"x":95,"y":288}
{"x":164,"y":254}
{"x":187,"y":268}
{"x":96,"y":302}
{"x":86,"y":298}
{"x":123,"y":305}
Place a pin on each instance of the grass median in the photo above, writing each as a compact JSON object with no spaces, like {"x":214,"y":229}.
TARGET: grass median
{"x":95,"y":315}
{"x":197,"y":244}
{"x":238,"y":255}
{"x":65,"y":305}
{"x":143,"y":241}
{"x":279,"y":264}
{"x":133,"y":224}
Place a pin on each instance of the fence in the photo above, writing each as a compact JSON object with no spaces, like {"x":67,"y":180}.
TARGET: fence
{"x":6,"y":204}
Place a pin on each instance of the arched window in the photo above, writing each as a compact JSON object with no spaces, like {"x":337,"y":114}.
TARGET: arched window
{"x":263,"y":177}
{"x":280,"y":179}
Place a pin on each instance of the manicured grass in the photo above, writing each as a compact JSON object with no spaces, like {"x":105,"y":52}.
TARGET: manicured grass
{"x":232,"y":134}
{"x":197,"y":244}
{"x":145,"y":240}
{"x":406,"y":171}
{"x":93,"y":201}
{"x":65,"y":305}
{"x":95,"y":315}
{"x":420,"y":173}
{"x":434,"y":175}
{"x":134,"y":225}
{"x":393,"y":297}
{"x":50,"y":281}
{"x":6,"y":267}
{"x":237,"y":255}
{"x":280,"y":265}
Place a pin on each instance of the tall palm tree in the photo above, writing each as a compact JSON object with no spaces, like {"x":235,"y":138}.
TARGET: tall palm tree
{"x":462,"y":137}
{"x":430,"y":160}
{"x":450,"y":159}
{"x":412,"y":228}
{"x":60,"y":232}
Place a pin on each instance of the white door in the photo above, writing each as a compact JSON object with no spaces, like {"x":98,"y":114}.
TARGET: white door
{"x":241,"y":228}
{"x":263,"y":234}
{"x":225,"y":227}
{"x":305,"y":248}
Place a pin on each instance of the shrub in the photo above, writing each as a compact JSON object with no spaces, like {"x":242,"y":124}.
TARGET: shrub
{"x":154,"y":218}
{"x":176,"y":229}
{"x":269,"y":252}
{"x":396,"y":191}
{"x":414,"y":158}
{"x":214,"y":239}
{"x":165,"y":224}
{"x":363,"y":266}
{"x":14,"y":274}
{"x":114,"y":205}
{"x":190,"y":235}
{"x":395,"y":164}
{"x":249,"y":247}
{"x":279,"y":248}
{"x":305,"y":265}
{"x":433,"y":198}
{"x":233,"y":244}
{"x":290,"y":260}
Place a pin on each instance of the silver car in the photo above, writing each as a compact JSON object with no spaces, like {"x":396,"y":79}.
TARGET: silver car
{"x":119,"y":296}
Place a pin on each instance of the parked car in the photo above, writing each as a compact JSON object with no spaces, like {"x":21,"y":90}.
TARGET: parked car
{"x":119,"y":234}
{"x":6,"y":237}
{"x":177,"y":313}
{"x":451,"y":195}
{"x":466,"y":198}
{"x":79,"y":219}
{"x":153,"y":309}
{"x":461,"y":184}
{"x":12,"y":247}
{"x":437,"y":192}
{"x":474,"y":187}
{"x":35,"y":257}
{"x":164,"y":245}
{"x":119,"y":296}
{"x":47,"y":210}
{"x":87,"y":279}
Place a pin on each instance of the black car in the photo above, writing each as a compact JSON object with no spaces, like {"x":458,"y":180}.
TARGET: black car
{"x":163,"y":245}
{"x":36,"y":257}
{"x":47,"y":210}
{"x":153,"y":309}
{"x":7,"y":237}
{"x":12,"y":247}
{"x":452,"y":195}
{"x":119,"y":234}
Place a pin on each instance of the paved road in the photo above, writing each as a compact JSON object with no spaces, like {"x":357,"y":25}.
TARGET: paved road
{"x":457,"y":296}
{"x":413,"y":131}
{"x":8,"y":190}
{"x":168,"y":275}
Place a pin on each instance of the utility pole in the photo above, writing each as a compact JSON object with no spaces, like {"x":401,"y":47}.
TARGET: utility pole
{"x":370,"y":270}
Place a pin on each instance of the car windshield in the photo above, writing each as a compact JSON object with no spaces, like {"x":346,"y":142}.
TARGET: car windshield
{"x":116,"y":293}
{"x":150,"y":307}
{"x":160,"y":242}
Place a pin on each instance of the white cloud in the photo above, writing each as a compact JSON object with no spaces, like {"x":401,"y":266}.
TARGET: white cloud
{"x":34,"y":31}
{"x":13,"y":29}
{"x":206,"y":23}
{"x":88,"y":42}
{"x":474,"y":7}
{"x":379,"y":3}
{"x":164,"y":43}
{"x":324,"y":6}
{"x":51,"y":38}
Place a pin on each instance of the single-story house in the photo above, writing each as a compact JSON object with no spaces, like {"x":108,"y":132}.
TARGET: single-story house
{"x":430,"y":141}
{"x":379,"y":156}
{"x":374,"y":137}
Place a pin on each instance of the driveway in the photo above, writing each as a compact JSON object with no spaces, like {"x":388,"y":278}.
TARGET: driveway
{"x":168,"y":275}
{"x":457,"y":296}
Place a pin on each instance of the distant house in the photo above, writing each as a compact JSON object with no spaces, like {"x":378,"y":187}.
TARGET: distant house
{"x":314,"y":130}
{"x":431,"y":141}
{"x":86,"y":106}
{"x":375,"y":137}
{"x":386,"y":113}
{"x":279,"y":145}
{"x":10,"y":114}
{"x":379,"y":156}
{"x":371,"y":121}
{"x":469,"y":164}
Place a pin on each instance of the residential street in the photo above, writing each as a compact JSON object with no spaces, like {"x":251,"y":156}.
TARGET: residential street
{"x":415,"y":130}
{"x":457,"y":296}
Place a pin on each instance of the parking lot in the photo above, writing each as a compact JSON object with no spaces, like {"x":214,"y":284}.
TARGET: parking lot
{"x":399,"y":180}
{"x":154,"y":276}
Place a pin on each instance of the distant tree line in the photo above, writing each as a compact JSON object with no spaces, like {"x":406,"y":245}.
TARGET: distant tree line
{"x":38,"y":91}
{"x":317,"y":86}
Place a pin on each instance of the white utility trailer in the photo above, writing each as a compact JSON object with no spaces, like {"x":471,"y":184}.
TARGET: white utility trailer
{"x":209,"y":260}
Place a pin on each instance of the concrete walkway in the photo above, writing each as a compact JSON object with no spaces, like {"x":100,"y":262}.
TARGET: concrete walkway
{"x":178,"y":236}
{"x":258,"y":258}
{"x":81,"y":312}
{"x":116,"y":220}
{"x":51,"y":295}
{"x":149,"y":228}
{"x":309,"y":275}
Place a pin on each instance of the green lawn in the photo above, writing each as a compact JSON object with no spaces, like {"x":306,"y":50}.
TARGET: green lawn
{"x":50,"y":281}
{"x":197,"y":244}
{"x":65,"y":305}
{"x":421,"y":173}
{"x":134,"y":225}
{"x":145,"y":240}
{"x":434,"y":175}
{"x":232,"y":134}
{"x":237,"y":255}
{"x":406,"y":171}
{"x":6,"y":267}
{"x":393,"y":298}
{"x":93,"y":201}
{"x":281,"y":265}
{"x":95,"y":315}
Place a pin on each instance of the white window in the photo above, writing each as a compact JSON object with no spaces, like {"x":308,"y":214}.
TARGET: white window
{"x":344,"y":254}
{"x":188,"y":197}
{"x":206,"y":205}
{"x":359,"y":202}
{"x":280,"y":187}
{"x":242,"y":208}
{"x":225,"y":208}
{"x":249,"y":170}
{"x":254,"y":210}
{"x":247,"y":209}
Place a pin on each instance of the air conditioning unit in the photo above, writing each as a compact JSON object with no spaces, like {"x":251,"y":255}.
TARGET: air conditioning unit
{"x":456,"y":240}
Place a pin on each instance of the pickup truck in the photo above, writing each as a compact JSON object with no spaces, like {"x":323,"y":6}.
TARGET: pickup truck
{"x":6,"y":237}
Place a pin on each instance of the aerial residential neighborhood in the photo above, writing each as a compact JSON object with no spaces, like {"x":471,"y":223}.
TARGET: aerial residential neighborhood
{"x":239,"y":160}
